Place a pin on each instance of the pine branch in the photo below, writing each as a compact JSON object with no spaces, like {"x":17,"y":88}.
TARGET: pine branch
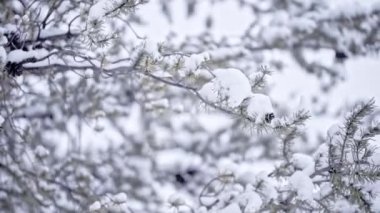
{"x":353,"y":121}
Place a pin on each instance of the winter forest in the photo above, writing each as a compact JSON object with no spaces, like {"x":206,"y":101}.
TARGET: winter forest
{"x":189,"y":106}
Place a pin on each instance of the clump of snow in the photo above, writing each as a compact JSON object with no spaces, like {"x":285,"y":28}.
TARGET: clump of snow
{"x":358,"y":135}
{"x":50,"y":32}
{"x":16,"y":6}
{"x":261,"y":75}
{"x":350,"y":9}
{"x":3,"y":53}
{"x":113,"y":203}
{"x":332,"y":134}
{"x":162,"y":74}
{"x":344,"y":206}
{"x":251,"y":200}
{"x":229,"y":84}
{"x":120,"y":198}
{"x":203,"y":74}
{"x":259,"y":105}
{"x":333,"y":130}
{"x":232,"y":86}
{"x":302,"y":184}
{"x":324,"y":189}
{"x":322,"y":155}
{"x":176,"y":200}
{"x":3,"y":40}
{"x":41,"y":151}
{"x":3,"y":57}
{"x":18,"y":56}
{"x":195,"y":60}
{"x":303,"y":24}
{"x":227,"y":166}
{"x":304,"y":162}
{"x":98,"y":10}
{"x":133,"y":123}
{"x":152,"y":48}
{"x":95,"y":206}
{"x":208,"y":201}
{"x":46,"y":186}
{"x":275,"y":33}
{"x":376,"y":204}
{"x":267,"y":185}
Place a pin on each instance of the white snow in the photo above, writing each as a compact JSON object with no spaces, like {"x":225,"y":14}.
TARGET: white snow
{"x":152,"y":48}
{"x":98,"y":10}
{"x":203,"y":74}
{"x":376,"y":204}
{"x":229,"y":84}
{"x":194,"y":61}
{"x":233,"y":86}
{"x":353,"y":8}
{"x":303,"y":24}
{"x":345,"y":206}
{"x":41,"y":151}
{"x":133,"y":124}
{"x":273,"y":33}
{"x":120,"y":198}
{"x":95,"y":206}
{"x":302,"y":184}
{"x":50,"y":32}
{"x":112,"y":203}
{"x":333,"y":134}
{"x":251,"y":200}
{"x":208,"y":201}
{"x":259,"y":105}
{"x":162,"y":74}
{"x":16,"y":6}
{"x":333,"y":130}
{"x":3,"y":58}
{"x":299,"y":160}
{"x":18,"y":56}
{"x":189,"y":63}
{"x":304,"y":162}
{"x":176,"y":200}
{"x":322,"y":155}
{"x":267,"y":189}
{"x":3,"y":39}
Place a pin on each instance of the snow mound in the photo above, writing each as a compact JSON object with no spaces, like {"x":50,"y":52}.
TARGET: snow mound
{"x":259,"y":105}
{"x":229,"y":84}
{"x":302,"y":184}
{"x":304,"y":162}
